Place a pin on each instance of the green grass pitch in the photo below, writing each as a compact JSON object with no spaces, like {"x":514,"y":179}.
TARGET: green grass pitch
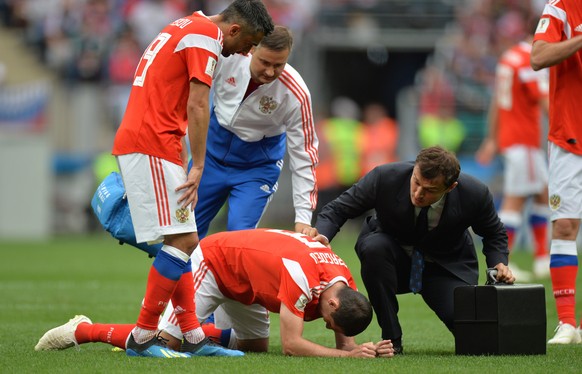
{"x":43,"y":284}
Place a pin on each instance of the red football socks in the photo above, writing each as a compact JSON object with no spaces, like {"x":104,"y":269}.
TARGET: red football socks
{"x":540,"y":234}
{"x":510,"y":237}
{"x":114,"y":334}
{"x":158,"y":292}
{"x":564,"y":286}
{"x":183,"y":302}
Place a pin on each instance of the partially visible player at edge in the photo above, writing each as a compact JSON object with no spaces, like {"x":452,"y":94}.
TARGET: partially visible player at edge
{"x":558,"y":45}
{"x":169,"y":96}
{"x":515,"y":131}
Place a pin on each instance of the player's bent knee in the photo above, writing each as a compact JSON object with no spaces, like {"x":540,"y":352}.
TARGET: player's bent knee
{"x":186,"y":243}
{"x":565,"y":229}
{"x":371,"y":248}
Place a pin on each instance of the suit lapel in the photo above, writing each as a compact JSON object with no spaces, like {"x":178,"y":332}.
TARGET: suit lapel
{"x":450,"y":209}
{"x":403,"y":207}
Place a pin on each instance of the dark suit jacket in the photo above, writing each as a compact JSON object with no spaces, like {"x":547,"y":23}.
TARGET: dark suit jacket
{"x":386,"y":190}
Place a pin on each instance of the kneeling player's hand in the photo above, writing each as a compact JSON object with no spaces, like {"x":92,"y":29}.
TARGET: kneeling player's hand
{"x":366,"y":350}
{"x":385,"y":349}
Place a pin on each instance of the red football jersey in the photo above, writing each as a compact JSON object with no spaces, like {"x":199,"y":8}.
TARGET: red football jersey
{"x":155,"y":119}
{"x":562,"y":20}
{"x":270,"y":267}
{"x":518,"y":90}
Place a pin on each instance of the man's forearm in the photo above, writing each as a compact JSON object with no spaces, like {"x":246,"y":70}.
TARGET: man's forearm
{"x":306,"y":348}
{"x":545,"y":54}
{"x":197,"y":133}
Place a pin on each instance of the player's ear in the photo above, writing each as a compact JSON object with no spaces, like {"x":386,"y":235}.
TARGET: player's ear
{"x":334,"y":303}
{"x":234,"y":30}
{"x":452,"y":187}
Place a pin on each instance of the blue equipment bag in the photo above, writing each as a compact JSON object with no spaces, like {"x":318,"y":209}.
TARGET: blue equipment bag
{"x":111,"y":208}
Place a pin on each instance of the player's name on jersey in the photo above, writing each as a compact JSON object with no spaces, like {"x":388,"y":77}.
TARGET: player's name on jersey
{"x":327,"y":258}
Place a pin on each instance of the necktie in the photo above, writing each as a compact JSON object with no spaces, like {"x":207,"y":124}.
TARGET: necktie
{"x":421,"y":228}
{"x":417,"y":259}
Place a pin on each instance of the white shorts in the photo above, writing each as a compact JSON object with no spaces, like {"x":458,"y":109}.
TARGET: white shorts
{"x":565,"y":187}
{"x":247,"y":321}
{"x":150,"y":183}
{"x":526,"y":171}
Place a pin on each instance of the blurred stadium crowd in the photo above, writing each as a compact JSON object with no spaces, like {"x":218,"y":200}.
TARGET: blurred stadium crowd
{"x":83,"y":39}
{"x":95,"y":44}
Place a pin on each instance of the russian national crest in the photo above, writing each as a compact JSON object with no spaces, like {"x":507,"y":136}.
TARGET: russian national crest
{"x":555,"y":201}
{"x":182,"y":214}
{"x":267,"y":105}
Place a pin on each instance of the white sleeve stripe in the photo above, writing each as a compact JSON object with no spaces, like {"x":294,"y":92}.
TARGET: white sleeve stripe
{"x":555,"y":12}
{"x":294,"y":269}
{"x":200,"y":41}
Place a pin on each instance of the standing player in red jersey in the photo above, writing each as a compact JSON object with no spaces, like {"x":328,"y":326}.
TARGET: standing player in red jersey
{"x":558,"y":45}
{"x":169,"y":98}
{"x":515,"y":131}
{"x":247,"y":274}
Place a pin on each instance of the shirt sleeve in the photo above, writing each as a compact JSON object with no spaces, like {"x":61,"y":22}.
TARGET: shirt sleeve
{"x":200,"y":53}
{"x":357,"y":200}
{"x":294,"y":290}
{"x":302,"y":146}
{"x":551,"y":25}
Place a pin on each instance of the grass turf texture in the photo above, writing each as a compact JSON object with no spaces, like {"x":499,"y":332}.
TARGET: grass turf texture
{"x":43,"y":284}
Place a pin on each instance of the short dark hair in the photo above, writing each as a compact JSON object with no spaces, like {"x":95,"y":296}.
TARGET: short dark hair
{"x":354,"y":313}
{"x":252,"y":15}
{"x":435,"y":161}
{"x":279,"y":40}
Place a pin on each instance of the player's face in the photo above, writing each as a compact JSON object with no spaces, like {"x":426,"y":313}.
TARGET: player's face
{"x":267,"y":65}
{"x":425,"y":192}
{"x":326,"y":311}
{"x":240,"y":42}
{"x":330,"y":324}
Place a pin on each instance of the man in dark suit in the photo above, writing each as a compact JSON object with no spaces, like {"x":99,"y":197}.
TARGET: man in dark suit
{"x":439,"y":245}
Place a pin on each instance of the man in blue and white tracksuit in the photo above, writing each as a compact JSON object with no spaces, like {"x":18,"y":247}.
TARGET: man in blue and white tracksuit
{"x":261,"y":106}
